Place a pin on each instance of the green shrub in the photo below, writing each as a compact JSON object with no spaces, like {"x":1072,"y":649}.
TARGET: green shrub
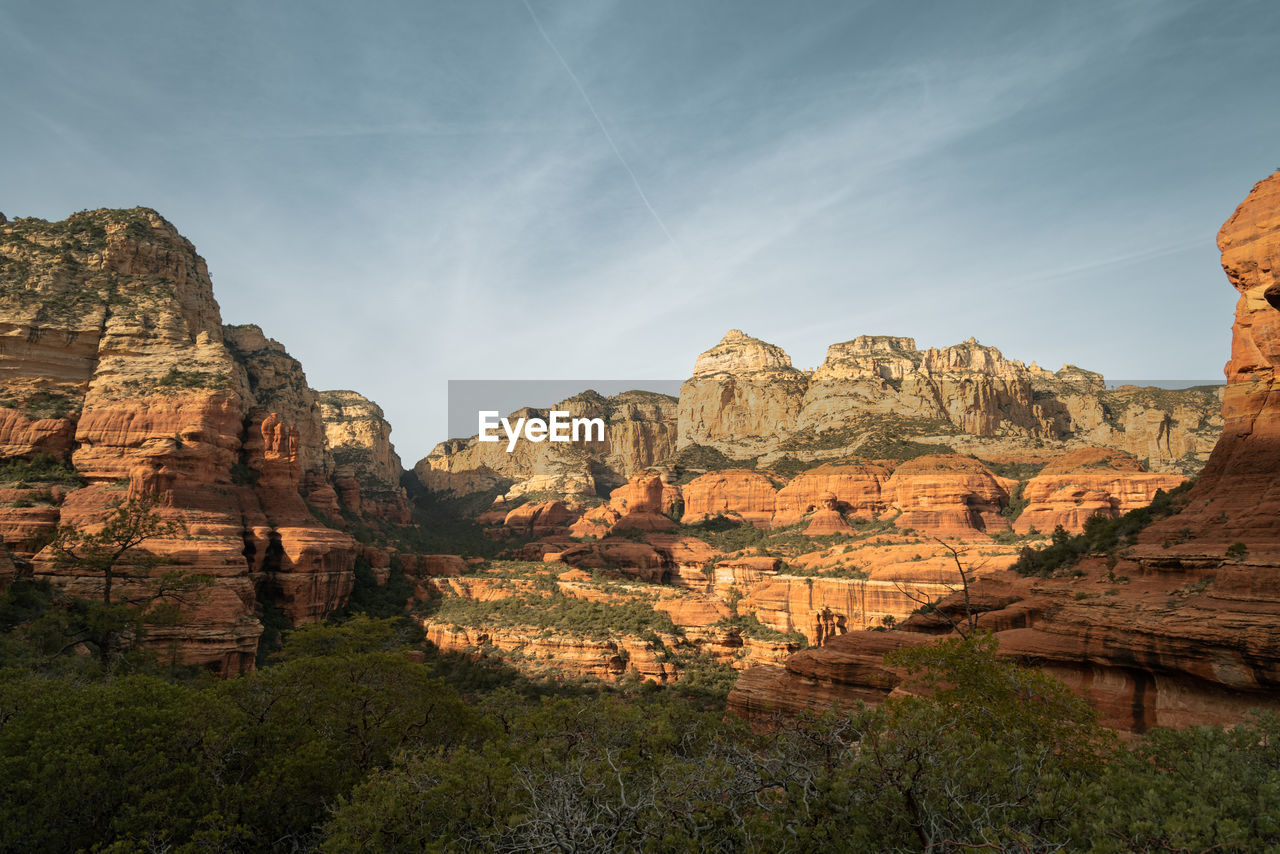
{"x":42,"y":468}
{"x":1101,"y":535}
{"x":750,"y":625}
{"x":695,"y":460}
{"x":558,"y":613}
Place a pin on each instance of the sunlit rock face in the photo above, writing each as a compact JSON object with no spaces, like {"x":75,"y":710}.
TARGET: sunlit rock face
{"x":115,"y":361}
{"x":1088,"y":482}
{"x":640,"y":432}
{"x":1181,"y":628}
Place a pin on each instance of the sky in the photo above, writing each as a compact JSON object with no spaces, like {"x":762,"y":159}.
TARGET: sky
{"x":407,"y":193}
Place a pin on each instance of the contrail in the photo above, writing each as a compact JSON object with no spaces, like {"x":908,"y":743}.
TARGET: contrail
{"x":599,"y":121}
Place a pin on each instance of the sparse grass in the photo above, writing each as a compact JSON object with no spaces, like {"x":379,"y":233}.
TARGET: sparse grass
{"x":695,"y":460}
{"x":750,"y":626}
{"x":1194,"y":587}
{"x":851,"y":571}
{"x":1015,"y":471}
{"x":44,"y":404}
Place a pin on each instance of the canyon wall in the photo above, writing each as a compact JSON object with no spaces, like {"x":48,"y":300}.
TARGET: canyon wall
{"x":873,"y":398}
{"x":1182,"y":626}
{"x":746,"y":401}
{"x":641,"y":431}
{"x":121,"y":382}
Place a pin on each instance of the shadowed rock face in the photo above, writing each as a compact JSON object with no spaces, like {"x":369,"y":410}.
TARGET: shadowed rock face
{"x":114,"y":360}
{"x":1179,"y":630}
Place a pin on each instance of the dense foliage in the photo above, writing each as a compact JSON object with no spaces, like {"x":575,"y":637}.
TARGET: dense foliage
{"x":551,"y":609}
{"x":354,"y":739}
{"x":40,"y":469}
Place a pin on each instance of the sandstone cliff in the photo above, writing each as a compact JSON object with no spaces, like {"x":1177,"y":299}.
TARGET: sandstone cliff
{"x":741,"y":392}
{"x":367,"y":469}
{"x":116,"y":365}
{"x":1085,"y":483}
{"x":746,"y":401}
{"x":641,"y":431}
{"x":1181,"y":628}
{"x":873,"y":398}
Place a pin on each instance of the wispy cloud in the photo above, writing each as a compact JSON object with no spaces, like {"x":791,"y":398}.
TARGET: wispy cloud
{"x":417,"y":192}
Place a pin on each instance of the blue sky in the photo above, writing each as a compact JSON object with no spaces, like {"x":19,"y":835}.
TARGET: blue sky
{"x":408,"y":193}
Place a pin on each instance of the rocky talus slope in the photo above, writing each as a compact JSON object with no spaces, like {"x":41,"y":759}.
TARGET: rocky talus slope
{"x":1180,"y":627}
{"x":120,"y":381}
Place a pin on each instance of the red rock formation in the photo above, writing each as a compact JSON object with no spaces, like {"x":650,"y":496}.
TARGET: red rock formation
{"x":440,"y":565}
{"x":948,"y":495}
{"x":23,"y":436}
{"x":538,"y":520}
{"x":1174,"y":631}
{"x":557,"y":655}
{"x":1237,"y":494}
{"x":857,"y":489}
{"x":1088,"y":482}
{"x":639,"y":560}
{"x":735,"y":493}
{"x":827,"y":519}
{"x":112,"y":338}
{"x":638,"y":505}
{"x":847,"y":670}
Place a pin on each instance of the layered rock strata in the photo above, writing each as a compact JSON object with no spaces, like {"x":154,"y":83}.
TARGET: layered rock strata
{"x":1182,"y":628}
{"x":1085,"y":483}
{"x":640,"y":432}
{"x":116,"y":365}
{"x":746,"y":405}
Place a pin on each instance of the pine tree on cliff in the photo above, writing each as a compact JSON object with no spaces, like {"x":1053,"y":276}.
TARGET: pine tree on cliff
{"x":132,"y":524}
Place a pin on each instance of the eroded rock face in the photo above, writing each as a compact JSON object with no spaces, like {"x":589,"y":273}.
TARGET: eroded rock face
{"x":827,"y":519}
{"x":948,"y":495}
{"x":745,"y":400}
{"x":640,"y":432}
{"x":971,"y":386}
{"x":358,"y":437}
{"x":638,"y":505}
{"x":858,"y":491}
{"x":1238,"y":492}
{"x":538,"y":519}
{"x":115,"y":361}
{"x":736,"y":493}
{"x":1089,"y":482}
{"x":746,"y":405}
{"x":741,"y":397}
{"x":1182,"y":628}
